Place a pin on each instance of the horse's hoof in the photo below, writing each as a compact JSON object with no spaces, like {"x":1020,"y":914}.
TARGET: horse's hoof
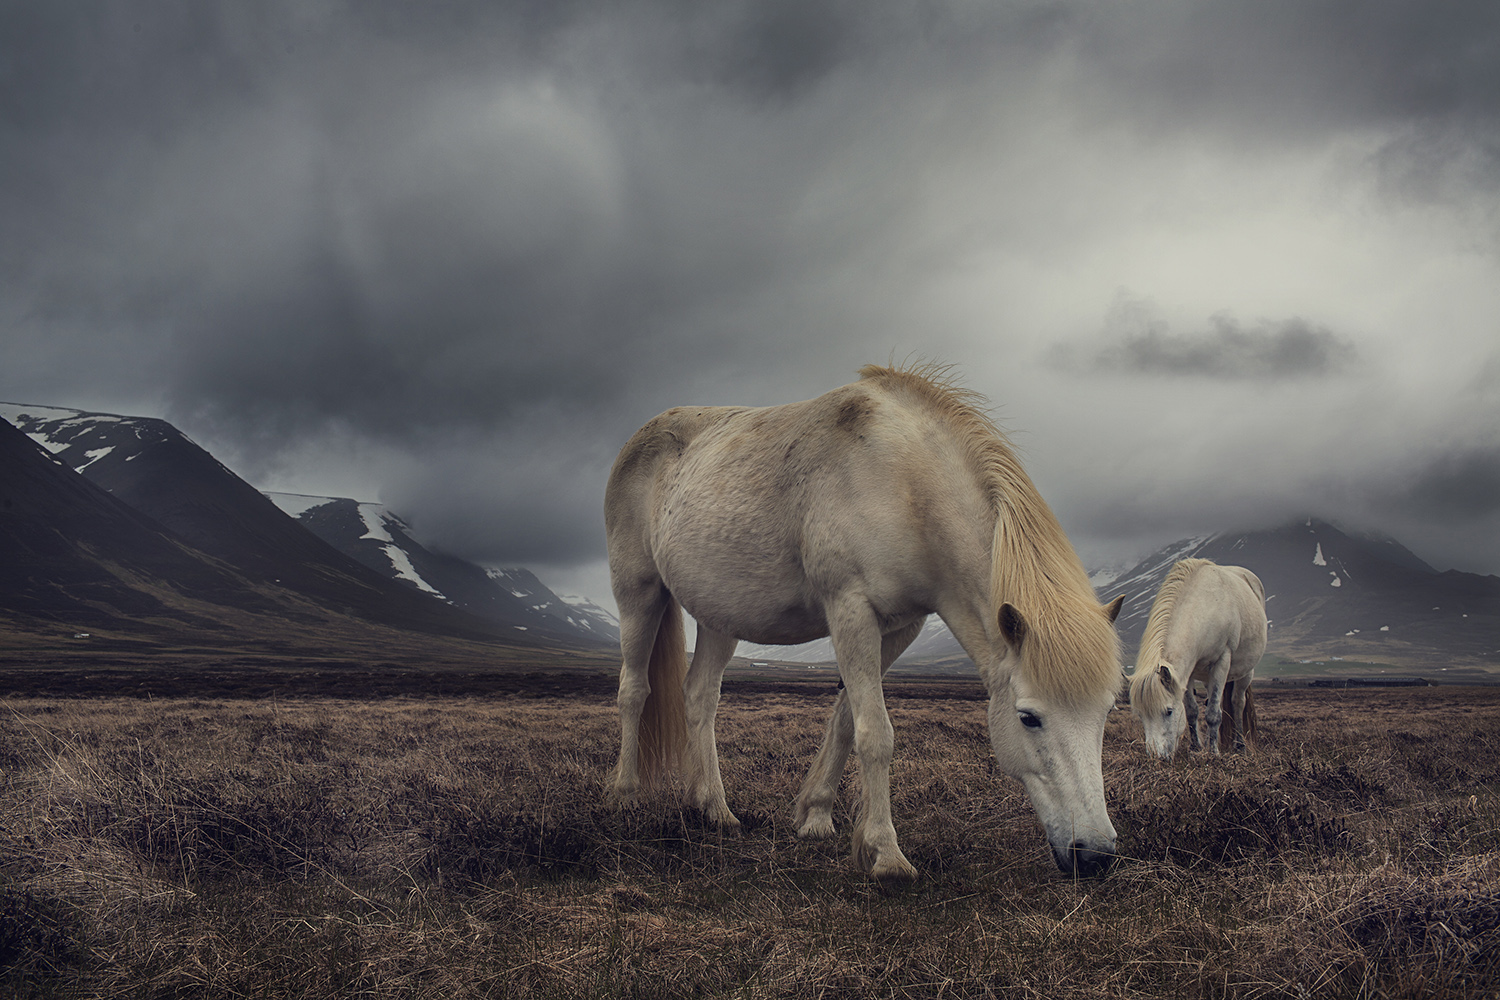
{"x":620,"y":801}
{"x":894,"y":878}
{"x":816,"y":828}
{"x":886,"y":865}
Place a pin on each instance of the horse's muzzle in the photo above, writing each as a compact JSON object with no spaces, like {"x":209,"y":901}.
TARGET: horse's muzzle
{"x":1082,"y":861}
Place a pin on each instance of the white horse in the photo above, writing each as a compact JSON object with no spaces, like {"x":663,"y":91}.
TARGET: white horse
{"x":855,"y":515}
{"x":1208,"y":624}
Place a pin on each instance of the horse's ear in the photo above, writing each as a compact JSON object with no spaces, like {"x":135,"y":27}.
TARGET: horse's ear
{"x":1112,"y":609}
{"x":1166,"y":677}
{"x":1012,"y":625}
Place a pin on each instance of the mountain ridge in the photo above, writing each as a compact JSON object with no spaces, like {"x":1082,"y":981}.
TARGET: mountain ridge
{"x":1330,"y":594}
{"x":381,"y":539}
{"x":154,"y":470}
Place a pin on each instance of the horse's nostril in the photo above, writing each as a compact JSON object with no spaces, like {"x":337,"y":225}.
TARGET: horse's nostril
{"x":1083,"y":861}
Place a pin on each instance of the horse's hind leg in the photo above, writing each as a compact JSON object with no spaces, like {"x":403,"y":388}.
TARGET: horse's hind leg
{"x":704,"y":785}
{"x":813,"y":809}
{"x":1241,"y":692}
{"x":640,"y":616}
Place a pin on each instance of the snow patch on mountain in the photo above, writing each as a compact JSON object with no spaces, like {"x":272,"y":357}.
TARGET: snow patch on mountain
{"x":94,"y":455}
{"x":42,"y":423}
{"x":1105,"y":575}
{"x":406,"y":571}
{"x":373,"y":514}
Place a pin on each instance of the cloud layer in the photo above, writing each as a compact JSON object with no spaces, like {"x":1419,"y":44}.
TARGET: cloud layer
{"x":1216,"y":263}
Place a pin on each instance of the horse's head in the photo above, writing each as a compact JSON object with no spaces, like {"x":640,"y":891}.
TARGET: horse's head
{"x":1052,"y":741}
{"x":1156,"y":699}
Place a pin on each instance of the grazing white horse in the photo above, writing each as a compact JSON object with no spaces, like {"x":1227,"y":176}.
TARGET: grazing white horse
{"x":1208,"y":624}
{"x":855,"y":515}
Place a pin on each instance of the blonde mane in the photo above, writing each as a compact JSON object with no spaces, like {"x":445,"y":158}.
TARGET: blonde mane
{"x":1071,"y":650}
{"x":1145,"y":683}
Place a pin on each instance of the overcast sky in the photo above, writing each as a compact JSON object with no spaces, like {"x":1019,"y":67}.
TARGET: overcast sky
{"x":1217,"y":264}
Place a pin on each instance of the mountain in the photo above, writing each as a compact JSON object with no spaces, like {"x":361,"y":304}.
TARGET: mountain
{"x":73,"y":554}
{"x":384,"y":542}
{"x":153,"y":469}
{"x":1331,"y":593}
{"x":84,"y":575}
{"x":1328,"y":593}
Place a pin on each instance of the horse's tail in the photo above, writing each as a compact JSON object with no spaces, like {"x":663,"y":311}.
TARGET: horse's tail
{"x":663,"y":728}
{"x":1226,"y":727}
{"x":1252,"y":734}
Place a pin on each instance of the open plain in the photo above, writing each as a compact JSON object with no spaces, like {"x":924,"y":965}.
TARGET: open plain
{"x":398,"y":835}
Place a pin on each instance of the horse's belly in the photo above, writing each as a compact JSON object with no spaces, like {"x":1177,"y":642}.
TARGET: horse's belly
{"x":753,"y":618}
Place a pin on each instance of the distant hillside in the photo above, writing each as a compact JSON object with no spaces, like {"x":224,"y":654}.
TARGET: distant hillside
{"x":1329,"y":593}
{"x":384,"y":542}
{"x":179,"y":498}
{"x":1360,"y":597}
{"x":86,"y":577}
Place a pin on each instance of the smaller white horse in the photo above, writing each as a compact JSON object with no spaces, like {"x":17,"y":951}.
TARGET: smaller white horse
{"x":1208,"y":624}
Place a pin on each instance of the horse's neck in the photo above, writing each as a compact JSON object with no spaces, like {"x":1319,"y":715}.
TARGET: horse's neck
{"x":1180,"y":642}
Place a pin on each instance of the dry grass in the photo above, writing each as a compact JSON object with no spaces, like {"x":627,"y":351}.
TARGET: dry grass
{"x":457,"y":847}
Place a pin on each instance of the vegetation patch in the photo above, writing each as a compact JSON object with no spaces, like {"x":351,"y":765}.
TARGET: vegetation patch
{"x":459,"y":846}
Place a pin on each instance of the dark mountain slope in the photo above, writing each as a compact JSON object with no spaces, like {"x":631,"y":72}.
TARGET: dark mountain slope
{"x":156,"y":470}
{"x":72,"y":553}
{"x":1330,"y":593}
{"x":84,"y":576}
{"x":378,"y":538}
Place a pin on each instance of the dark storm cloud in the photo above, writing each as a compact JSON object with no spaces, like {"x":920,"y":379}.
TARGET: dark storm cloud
{"x":1295,"y":64}
{"x":1463,"y":485}
{"x":1269,"y":350}
{"x":489,"y":239}
{"x":1137,"y":341}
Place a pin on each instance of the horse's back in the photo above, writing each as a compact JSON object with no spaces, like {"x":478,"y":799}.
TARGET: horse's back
{"x":755,"y":516}
{"x":1218,"y":609}
{"x":1245,"y":604}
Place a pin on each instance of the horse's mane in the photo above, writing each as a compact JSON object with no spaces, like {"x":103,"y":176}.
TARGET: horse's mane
{"x":1146,"y":687}
{"x":1071,"y":650}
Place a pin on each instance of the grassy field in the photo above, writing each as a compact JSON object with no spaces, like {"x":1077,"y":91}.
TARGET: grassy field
{"x":307,"y":843}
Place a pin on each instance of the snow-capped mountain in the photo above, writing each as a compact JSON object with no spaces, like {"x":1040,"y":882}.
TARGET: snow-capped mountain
{"x":576,"y":610}
{"x":155,"y":469}
{"x":1332,"y":593}
{"x":382,"y":540}
{"x":87,"y":577}
{"x":1328,"y":593}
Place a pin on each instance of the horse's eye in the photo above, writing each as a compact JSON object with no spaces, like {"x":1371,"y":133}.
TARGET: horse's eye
{"x":1030,"y":721}
{"x":1167,"y":714}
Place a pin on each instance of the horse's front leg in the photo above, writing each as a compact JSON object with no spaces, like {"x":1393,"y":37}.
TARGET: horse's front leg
{"x":813,"y":810}
{"x":1213,"y":710}
{"x":856,"y":642}
{"x":705,"y":787}
{"x":1190,"y":706}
